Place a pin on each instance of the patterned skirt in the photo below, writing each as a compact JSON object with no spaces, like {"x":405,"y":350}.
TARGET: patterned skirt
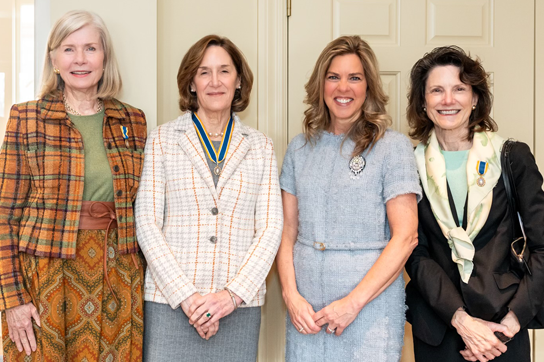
{"x":81,"y":319}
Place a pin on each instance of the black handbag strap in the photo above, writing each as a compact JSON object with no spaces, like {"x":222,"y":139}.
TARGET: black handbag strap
{"x":508,"y":178}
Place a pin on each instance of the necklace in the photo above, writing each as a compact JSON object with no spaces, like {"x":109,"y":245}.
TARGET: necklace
{"x":70,"y":110}
{"x":211,"y":134}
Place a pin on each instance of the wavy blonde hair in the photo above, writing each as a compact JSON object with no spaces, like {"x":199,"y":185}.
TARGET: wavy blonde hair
{"x":52,"y":84}
{"x":374,"y":120}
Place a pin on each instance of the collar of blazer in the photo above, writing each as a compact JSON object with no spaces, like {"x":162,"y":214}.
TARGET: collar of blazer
{"x":190,"y":143}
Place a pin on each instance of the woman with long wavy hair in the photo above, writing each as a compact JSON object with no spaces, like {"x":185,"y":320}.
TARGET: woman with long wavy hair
{"x":349,"y":188}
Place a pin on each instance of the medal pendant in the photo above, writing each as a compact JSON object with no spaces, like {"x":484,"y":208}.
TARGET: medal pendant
{"x":217,"y":170}
{"x":357,"y":165}
{"x":480,"y":181}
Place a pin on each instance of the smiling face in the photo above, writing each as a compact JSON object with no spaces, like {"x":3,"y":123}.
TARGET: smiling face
{"x":80,"y":60}
{"x":449,"y":101}
{"x":345,"y":88}
{"x":215,"y":81}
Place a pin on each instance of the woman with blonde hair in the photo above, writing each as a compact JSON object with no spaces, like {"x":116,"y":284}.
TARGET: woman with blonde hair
{"x":350,"y":189}
{"x":71,"y":278}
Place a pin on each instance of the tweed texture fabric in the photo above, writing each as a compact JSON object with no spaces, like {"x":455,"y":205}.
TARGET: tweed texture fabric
{"x":346,"y":216}
{"x":200,"y":238}
{"x":80,"y":318}
{"x":168,"y":335}
{"x":41,"y":184}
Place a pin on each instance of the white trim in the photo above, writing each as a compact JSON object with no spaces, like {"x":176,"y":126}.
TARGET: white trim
{"x":272,"y":73}
{"x":42,"y":26}
{"x":272,"y":120}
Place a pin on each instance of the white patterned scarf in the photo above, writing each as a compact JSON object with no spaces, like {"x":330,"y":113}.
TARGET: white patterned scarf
{"x":486,"y":147}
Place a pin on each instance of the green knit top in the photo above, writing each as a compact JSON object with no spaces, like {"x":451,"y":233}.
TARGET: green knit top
{"x":98,"y":182}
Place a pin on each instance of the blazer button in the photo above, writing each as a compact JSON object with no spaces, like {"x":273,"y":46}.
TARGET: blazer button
{"x":213,"y":239}
{"x":119,"y":192}
{"x":215,"y":211}
{"x":116,"y":168}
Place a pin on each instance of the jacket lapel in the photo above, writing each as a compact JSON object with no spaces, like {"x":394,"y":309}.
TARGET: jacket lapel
{"x":239,"y":146}
{"x":188,"y":140}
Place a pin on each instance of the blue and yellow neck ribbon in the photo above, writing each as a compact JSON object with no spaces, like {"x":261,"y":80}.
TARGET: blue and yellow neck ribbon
{"x":215,"y":156}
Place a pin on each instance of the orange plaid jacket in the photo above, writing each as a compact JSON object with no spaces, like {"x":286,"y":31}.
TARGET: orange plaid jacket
{"x":41,"y":184}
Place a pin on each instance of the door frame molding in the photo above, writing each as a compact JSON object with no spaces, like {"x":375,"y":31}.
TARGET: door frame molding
{"x":272,"y":72}
{"x":272,"y":120}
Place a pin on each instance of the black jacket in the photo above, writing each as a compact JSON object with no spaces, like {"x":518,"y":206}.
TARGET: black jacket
{"x":436,"y":291}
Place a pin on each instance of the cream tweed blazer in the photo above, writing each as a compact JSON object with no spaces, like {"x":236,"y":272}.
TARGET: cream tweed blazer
{"x":199,"y":238}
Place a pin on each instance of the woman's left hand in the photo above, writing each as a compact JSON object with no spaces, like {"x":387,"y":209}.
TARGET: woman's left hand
{"x":511,"y":321}
{"x":216,"y":305}
{"x":338,"y":315}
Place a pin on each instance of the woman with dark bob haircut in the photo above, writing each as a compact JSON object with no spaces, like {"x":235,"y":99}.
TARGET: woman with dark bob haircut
{"x":467,"y":300}
{"x":208,"y":215}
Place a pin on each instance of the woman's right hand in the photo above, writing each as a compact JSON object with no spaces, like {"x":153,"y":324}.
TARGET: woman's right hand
{"x":481,"y":343}
{"x":301,"y":313}
{"x":207,"y":331}
{"x":19,"y":321}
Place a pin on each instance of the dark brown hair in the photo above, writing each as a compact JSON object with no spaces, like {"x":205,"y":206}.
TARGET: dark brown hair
{"x":471,"y":72}
{"x":192,"y":60}
{"x":374,"y":120}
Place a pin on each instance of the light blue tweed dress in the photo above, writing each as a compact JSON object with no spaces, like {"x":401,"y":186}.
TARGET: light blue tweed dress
{"x":347,"y":215}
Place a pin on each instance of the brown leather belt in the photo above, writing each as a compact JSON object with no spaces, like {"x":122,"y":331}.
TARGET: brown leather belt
{"x":100,"y":215}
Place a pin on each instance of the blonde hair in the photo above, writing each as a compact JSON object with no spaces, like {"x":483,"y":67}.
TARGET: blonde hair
{"x":52,"y":84}
{"x":373,"y":121}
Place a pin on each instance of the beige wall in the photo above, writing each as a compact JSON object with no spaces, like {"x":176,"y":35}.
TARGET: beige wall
{"x":6,"y":65}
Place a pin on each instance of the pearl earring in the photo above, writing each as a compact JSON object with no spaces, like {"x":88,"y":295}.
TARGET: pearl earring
{"x":473,"y":107}
{"x":424,"y":109}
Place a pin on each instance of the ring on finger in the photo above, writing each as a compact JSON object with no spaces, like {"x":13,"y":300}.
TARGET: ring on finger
{"x":331,"y":330}
{"x":301,"y":329}
{"x":209,"y":315}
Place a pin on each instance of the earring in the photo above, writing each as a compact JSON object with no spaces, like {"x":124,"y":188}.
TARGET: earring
{"x":192,"y":90}
{"x":56,"y":71}
{"x":239,"y":87}
{"x":424,"y":109}
{"x":474,"y":107}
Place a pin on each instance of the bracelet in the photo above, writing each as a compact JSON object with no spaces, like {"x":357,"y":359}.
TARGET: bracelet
{"x":233,"y":298}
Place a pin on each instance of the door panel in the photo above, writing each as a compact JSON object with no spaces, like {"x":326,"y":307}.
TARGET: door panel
{"x":500,"y":33}
{"x":401,"y":32}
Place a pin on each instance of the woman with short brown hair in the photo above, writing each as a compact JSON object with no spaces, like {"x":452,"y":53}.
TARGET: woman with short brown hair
{"x":208,"y":215}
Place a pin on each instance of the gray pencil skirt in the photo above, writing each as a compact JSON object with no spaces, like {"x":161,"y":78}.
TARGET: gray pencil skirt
{"x":169,"y":337}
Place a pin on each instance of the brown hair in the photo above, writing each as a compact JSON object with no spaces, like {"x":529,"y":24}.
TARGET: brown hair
{"x":52,"y":84}
{"x":192,"y":60}
{"x":471,"y":72}
{"x":374,"y":120}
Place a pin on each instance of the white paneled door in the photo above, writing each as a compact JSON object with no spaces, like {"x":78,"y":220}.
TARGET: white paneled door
{"x":500,"y":33}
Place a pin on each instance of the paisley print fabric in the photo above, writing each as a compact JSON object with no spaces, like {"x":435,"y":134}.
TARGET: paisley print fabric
{"x":81,"y":320}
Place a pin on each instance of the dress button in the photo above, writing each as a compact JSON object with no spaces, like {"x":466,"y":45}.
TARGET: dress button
{"x":109,"y":145}
{"x":213,"y":239}
{"x":116,"y":168}
{"x":119,"y":192}
{"x":215,"y":211}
